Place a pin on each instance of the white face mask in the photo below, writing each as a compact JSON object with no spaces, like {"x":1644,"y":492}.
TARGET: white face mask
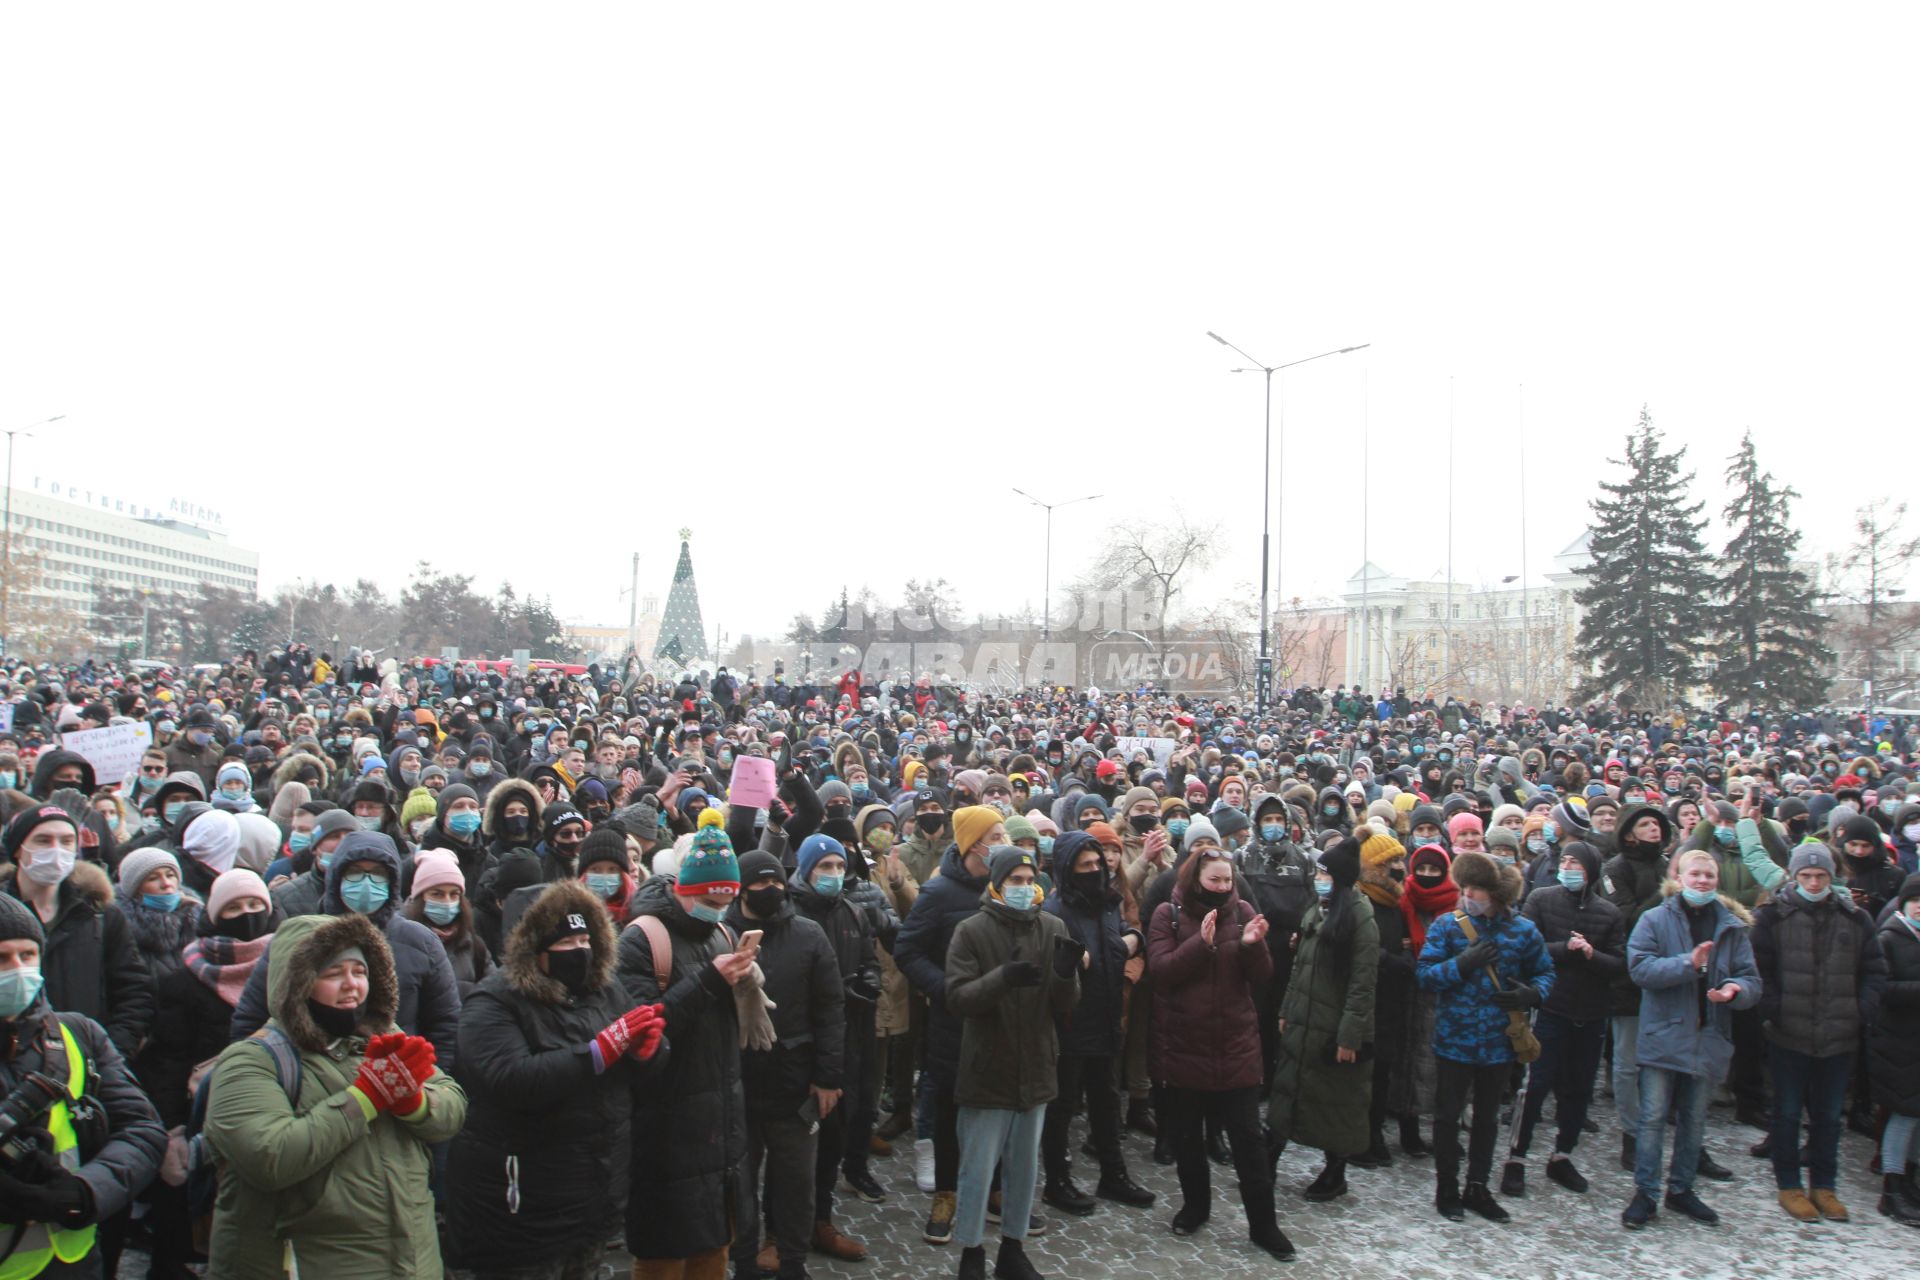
{"x":50,"y":866}
{"x":1912,"y":832}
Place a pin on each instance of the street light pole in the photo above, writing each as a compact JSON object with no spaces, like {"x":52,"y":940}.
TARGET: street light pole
{"x":1264,"y":684}
{"x":1046,"y":597}
{"x":6,"y":574}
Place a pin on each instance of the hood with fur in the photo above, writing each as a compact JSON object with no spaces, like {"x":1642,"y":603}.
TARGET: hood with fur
{"x":512,"y":789}
{"x":301,"y":948}
{"x":290,"y":767}
{"x":520,"y":956}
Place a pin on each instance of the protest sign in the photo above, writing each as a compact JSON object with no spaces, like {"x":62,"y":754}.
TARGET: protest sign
{"x":751,"y":783}
{"x":1161,"y":749}
{"x":114,"y":752}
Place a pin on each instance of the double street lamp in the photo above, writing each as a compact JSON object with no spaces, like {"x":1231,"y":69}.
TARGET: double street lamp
{"x":1046,"y":598}
{"x":1264,"y":684}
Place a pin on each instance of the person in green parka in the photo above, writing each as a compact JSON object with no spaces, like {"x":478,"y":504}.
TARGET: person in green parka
{"x":1322,"y":1077}
{"x":331,"y":1181}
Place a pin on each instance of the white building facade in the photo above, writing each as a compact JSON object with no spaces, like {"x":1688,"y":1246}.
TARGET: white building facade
{"x":1510,"y":642}
{"x":81,"y":544}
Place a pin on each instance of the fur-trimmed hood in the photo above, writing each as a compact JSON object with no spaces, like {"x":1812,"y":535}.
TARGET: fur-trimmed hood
{"x":284,"y":772}
{"x":512,"y":789}
{"x":1503,"y":884}
{"x":520,"y":955}
{"x":88,"y":879}
{"x":1670,"y":888}
{"x":301,"y":948}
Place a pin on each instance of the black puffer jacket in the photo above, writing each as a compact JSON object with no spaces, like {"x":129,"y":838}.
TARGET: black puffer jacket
{"x":689,"y":1120}
{"x":1632,"y":881}
{"x":1583,"y":989}
{"x":90,"y":963}
{"x":533,"y":1097}
{"x":809,"y":1014}
{"x":921,"y":952}
{"x":1893,"y":1050}
{"x":849,"y":933}
{"x":1093,"y":1028}
{"x":1821,"y":972}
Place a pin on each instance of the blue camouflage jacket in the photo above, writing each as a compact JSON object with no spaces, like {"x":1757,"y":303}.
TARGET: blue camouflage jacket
{"x":1467,"y":1025}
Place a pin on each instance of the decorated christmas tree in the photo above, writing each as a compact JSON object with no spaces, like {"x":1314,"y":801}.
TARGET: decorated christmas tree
{"x":682,"y":641}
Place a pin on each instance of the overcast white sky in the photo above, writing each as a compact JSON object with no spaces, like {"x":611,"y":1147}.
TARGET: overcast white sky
{"x":523,"y":289}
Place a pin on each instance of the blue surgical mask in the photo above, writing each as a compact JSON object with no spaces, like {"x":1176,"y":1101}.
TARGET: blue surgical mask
{"x":1177,"y":828}
{"x":479,"y":768}
{"x":1699,"y":897}
{"x":1724,"y":835}
{"x":702,"y":911}
{"x":1046,"y":845}
{"x":1810,"y":895}
{"x":18,"y":989}
{"x":1272,"y":832}
{"x":443,"y":913}
{"x":300,"y":841}
{"x":235,"y":791}
{"x":1474,"y":907}
{"x":464,"y":823}
{"x":828,"y":886}
{"x":1021,"y":897}
{"x":1551,"y":831}
{"x":364,"y":893}
{"x":369,"y":823}
{"x":1574,"y":880}
{"x":8,"y":778}
{"x":160,"y":901}
{"x":603,"y":884}
{"x":862,"y":792}
{"x":172,"y":811}
{"x":1537,"y":845}
{"x":1323,"y":887}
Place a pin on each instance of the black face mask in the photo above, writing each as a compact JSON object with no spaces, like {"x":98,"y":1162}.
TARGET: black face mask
{"x":1396,"y":874}
{"x":765,"y":902}
{"x":1212,"y":899}
{"x":1429,"y":880}
{"x":1088,"y":884}
{"x":570,"y":968}
{"x":1143,"y":822}
{"x":244,"y":928}
{"x":565,"y":852}
{"x":598,"y":813}
{"x":518,"y":825}
{"x":840,"y":812}
{"x":336,"y":1022}
{"x":930,"y":823}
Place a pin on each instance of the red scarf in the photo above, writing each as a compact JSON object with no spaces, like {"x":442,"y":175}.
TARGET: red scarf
{"x":1416,"y":901}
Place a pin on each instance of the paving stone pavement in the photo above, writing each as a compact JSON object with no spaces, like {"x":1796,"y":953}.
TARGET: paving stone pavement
{"x":1387,"y":1226}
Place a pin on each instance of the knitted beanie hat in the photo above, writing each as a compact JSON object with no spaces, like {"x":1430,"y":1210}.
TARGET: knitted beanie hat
{"x":709,"y":865}
{"x":141,"y":863}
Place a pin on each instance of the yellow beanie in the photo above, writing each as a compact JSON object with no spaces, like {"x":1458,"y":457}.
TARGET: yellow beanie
{"x":971,"y":824}
{"x":1380,"y":848}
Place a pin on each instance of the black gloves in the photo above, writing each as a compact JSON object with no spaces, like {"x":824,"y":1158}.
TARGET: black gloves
{"x":1066,"y":957}
{"x":1526,"y":996}
{"x":46,"y":1192}
{"x":1021,"y":973}
{"x":1478,"y":956}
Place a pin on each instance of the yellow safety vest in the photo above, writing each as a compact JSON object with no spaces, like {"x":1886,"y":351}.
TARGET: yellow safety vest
{"x":40,"y":1244}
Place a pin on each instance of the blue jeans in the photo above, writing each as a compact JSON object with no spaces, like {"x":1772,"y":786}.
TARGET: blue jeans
{"x":1626,"y":1072}
{"x":991,"y":1136}
{"x":1898,"y":1143}
{"x":1661,"y":1090}
{"x":1818,"y":1086}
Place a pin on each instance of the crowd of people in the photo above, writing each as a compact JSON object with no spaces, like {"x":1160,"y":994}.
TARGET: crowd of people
{"x":382,"y":969}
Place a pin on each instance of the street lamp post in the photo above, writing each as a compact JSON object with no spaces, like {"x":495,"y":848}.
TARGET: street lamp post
{"x":6,"y":574}
{"x":1264,"y":685}
{"x":1046,"y":596}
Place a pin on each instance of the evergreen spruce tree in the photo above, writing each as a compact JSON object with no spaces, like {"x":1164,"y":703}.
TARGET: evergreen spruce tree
{"x":1770,"y":651}
{"x":1647,"y":605}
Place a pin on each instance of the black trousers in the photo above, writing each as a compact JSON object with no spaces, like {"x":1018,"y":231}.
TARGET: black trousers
{"x":846,"y":1131}
{"x":1568,"y":1064}
{"x":1093,"y":1079}
{"x":1455,"y":1085}
{"x":1237,"y":1112}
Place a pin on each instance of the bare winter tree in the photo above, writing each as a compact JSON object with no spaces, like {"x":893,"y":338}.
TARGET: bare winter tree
{"x":1154,"y":557}
{"x":1872,"y":626}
